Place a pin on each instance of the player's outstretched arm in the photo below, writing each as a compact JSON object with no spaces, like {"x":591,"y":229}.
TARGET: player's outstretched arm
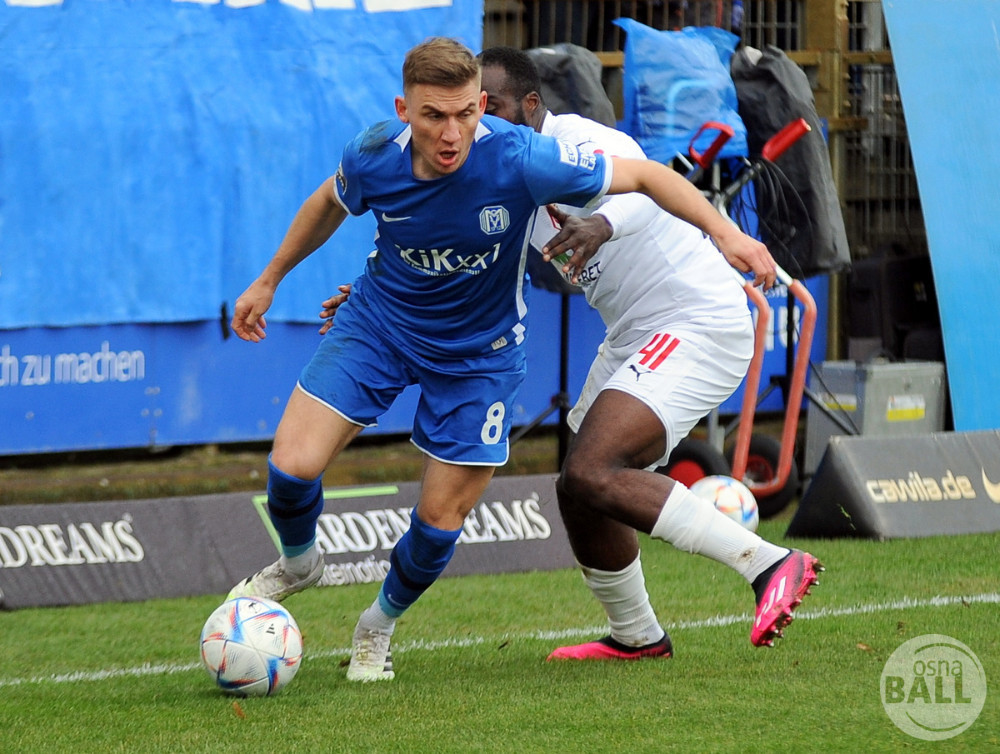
{"x":317,"y":219}
{"x":674,"y":193}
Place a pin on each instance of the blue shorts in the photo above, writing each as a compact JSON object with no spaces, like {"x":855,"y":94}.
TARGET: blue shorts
{"x":466,"y":405}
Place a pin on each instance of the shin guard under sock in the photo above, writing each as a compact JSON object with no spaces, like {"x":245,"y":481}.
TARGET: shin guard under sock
{"x":418,"y":558}
{"x":294,"y":506}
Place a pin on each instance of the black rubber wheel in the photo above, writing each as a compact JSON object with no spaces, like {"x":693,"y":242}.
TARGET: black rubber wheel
{"x":762,"y":469}
{"x":694,"y":459}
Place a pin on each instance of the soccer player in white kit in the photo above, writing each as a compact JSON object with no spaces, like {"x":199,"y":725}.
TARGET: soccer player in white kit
{"x":678,"y":343}
{"x":440,"y":304}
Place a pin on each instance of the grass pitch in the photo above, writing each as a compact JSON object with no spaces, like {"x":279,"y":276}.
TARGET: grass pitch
{"x":472,"y":676}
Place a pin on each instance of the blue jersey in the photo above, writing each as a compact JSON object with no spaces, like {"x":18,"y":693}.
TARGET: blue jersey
{"x":447,"y":278}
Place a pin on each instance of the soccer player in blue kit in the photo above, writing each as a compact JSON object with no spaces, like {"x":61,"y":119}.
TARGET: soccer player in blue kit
{"x":440,"y":304}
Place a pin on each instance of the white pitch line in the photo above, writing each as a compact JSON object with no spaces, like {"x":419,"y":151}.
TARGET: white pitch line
{"x":101,"y":675}
{"x":435,"y":646}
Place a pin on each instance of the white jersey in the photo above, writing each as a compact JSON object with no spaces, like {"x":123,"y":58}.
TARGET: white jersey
{"x":657,"y":270}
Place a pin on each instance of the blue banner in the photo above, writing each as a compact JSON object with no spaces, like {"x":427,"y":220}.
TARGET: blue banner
{"x":133,"y":385}
{"x":152,"y":154}
{"x":945,"y":53}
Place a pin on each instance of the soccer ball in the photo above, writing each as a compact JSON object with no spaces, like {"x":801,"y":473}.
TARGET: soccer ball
{"x":731,"y":497}
{"x":251,"y":646}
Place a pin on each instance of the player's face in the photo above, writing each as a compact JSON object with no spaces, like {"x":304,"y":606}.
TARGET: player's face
{"x":498,"y":101}
{"x":443,"y":123}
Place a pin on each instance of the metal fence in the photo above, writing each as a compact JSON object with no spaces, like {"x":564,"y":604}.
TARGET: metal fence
{"x":879,"y":192}
{"x":875,"y":176}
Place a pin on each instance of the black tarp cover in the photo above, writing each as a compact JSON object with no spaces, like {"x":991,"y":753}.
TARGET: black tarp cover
{"x":772,"y":92}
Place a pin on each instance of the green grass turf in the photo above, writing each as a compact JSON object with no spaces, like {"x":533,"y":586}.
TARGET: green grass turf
{"x":472,"y":676}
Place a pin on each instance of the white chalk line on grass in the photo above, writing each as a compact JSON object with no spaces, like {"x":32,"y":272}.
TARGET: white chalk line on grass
{"x":455,"y":643}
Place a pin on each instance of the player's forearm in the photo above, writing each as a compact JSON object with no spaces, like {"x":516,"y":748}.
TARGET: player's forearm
{"x":672,"y":192}
{"x":317,"y":219}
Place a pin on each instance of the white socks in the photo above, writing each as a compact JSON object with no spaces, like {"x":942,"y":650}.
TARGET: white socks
{"x":623,"y":594}
{"x":302,"y":564}
{"x":376,"y":619}
{"x":692,"y":524}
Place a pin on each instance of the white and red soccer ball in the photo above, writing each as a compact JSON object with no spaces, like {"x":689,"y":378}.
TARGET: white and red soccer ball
{"x":730,"y":496}
{"x":251,"y":646}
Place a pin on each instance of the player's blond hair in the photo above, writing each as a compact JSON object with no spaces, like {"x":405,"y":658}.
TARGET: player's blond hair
{"x":440,"y":61}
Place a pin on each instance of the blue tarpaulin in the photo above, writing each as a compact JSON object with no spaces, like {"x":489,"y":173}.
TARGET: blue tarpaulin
{"x":675,"y":82}
{"x":152,"y":154}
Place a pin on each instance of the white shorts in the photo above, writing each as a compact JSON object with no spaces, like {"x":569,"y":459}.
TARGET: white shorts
{"x":682,"y":373}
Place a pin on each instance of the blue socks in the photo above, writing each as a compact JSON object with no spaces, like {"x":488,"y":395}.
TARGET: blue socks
{"x":418,"y":558}
{"x":293,"y":505}
{"x":421,"y":554}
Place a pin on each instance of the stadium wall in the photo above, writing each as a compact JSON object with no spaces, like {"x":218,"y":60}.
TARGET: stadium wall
{"x":131,"y":385}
